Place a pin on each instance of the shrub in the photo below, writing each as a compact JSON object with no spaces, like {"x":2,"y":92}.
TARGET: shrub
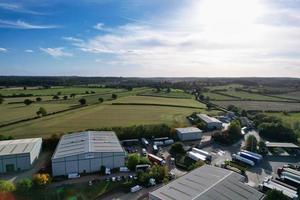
{"x":82,"y":101}
{"x":24,"y":186}
{"x":38,"y":99}
{"x":275,"y":194}
{"x":251,"y":143}
{"x":27,"y":102}
{"x":277,"y":132}
{"x":41,"y":179}
{"x":114,"y":96}
{"x":6,"y":186}
{"x":177,"y":148}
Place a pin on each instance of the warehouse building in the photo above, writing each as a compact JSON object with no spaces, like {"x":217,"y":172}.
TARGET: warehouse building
{"x":189,"y":133}
{"x":18,"y":155}
{"x":207,"y":183}
{"x":86,"y":152}
{"x":210,"y":122}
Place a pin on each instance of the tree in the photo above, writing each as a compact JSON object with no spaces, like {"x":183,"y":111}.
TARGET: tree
{"x":24,"y":186}
{"x":209,"y":105}
{"x":168,"y":90}
{"x":132,"y":161}
{"x":41,"y":179}
{"x":114,"y":96}
{"x":55,"y":97}
{"x":251,"y":143}
{"x":277,"y":132}
{"x":72,"y":95}
{"x":177,"y":148}
{"x":82,"y":101}
{"x":6,"y":186}
{"x":27,"y":102}
{"x":234,"y":129}
{"x":38,"y":99}
{"x":100,"y":100}
{"x":275,"y":194}
{"x":42,"y":111}
{"x":58,"y":93}
{"x":25,"y":88}
{"x":87,"y":92}
{"x":65,"y":97}
{"x":1,"y":100}
{"x":262,"y":148}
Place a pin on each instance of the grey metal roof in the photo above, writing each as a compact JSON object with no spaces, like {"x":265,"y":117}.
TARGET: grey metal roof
{"x":88,"y":141}
{"x":283,"y":145}
{"x":12,"y":147}
{"x":188,"y":130}
{"x":208,"y":119}
{"x":208,"y":183}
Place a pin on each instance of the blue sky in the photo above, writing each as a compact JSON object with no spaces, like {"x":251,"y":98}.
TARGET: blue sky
{"x":214,"y":38}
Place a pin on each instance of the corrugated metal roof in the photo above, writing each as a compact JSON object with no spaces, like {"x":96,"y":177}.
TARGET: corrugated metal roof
{"x":208,"y":119}
{"x":11,"y":147}
{"x":188,"y":130}
{"x":280,"y":144}
{"x":88,"y":141}
{"x":208,"y":183}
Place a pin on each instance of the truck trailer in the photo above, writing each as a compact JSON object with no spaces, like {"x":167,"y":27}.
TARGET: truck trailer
{"x":155,"y":159}
{"x":249,"y":156}
{"x":204,"y":153}
{"x":196,"y":156}
{"x":242,"y":159}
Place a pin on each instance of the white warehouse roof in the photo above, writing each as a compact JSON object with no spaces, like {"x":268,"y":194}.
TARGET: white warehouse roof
{"x":207,"y":183}
{"x":86,"y":142}
{"x":207,"y":119}
{"x":21,"y":146}
{"x":188,"y":130}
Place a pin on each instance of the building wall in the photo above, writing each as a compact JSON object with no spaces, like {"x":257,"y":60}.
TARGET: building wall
{"x":35,"y":152}
{"x":87,"y":163}
{"x":214,"y":125}
{"x":19,"y":162}
{"x":189,"y":136}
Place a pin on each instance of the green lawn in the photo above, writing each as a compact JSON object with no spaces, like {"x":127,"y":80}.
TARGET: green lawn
{"x":159,"y":100}
{"x":175,"y":93}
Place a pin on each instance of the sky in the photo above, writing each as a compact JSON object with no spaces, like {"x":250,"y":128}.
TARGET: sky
{"x":154,"y":38}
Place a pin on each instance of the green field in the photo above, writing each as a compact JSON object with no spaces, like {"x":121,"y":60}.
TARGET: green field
{"x":54,"y":91}
{"x":158,"y":100}
{"x":15,"y":112}
{"x":290,"y":119}
{"x":174,"y":93}
{"x":261,"y":105}
{"x":214,"y":96}
{"x":291,"y":95}
{"x":252,"y":96}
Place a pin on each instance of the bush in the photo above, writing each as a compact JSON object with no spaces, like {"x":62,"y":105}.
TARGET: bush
{"x":114,"y":96}
{"x":177,"y":148}
{"x":38,"y":99}
{"x":275,"y":194}
{"x":40,"y":180}
{"x":24,"y":186}
{"x":100,"y":100}
{"x":27,"y":102}
{"x":6,"y":186}
{"x":135,"y":159}
{"x":55,"y":97}
{"x":229,"y":136}
{"x":82,"y":101}
{"x":42,"y":111}
{"x":1,"y":100}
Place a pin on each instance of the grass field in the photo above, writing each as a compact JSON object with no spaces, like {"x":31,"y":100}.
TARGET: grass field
{"x":214,"y":96}
{"x":291,"y":119}
{"x":54,"y":91}
{"x":173,"y":94}
{"x":261,"y":105}
{"x":291,"y":95}
{"x":99,"y":116}
{"x":159,"y":100}
{"x":15,"y":112}
{"x":252,"y":96}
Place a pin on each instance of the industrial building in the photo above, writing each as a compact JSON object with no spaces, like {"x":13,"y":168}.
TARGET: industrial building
{"x":210,"y":122}
{"x":86,"y":152}
{"x":207,"y":183}
{"x":189,"y":133}
{"x":18,"y":155}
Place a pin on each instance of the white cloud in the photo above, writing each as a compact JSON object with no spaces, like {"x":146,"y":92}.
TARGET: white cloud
{"x":3,"y":50}
{"x":17,"y":8}
{"x":56,"y":52}
{"x":205,"y":38}
{"x":23,"y":25}
{"x":29,"y":51}
{"x":101,"y":27}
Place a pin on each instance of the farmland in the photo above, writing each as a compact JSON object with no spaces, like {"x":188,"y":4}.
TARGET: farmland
{"x":172,"y":94}
{"x":261,"y":105}
{"x":134,"y":110}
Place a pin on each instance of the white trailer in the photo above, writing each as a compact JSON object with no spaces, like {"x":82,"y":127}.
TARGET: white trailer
{"x":252,"y":153}
{"x":290,"y":176}
{"x":204,"y":153}
{"x":168,"y":142}
{"x":242,"y":159}
{"x":268,"y":184}
{"x":196,"y":156}
{"x":135,"y":188}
